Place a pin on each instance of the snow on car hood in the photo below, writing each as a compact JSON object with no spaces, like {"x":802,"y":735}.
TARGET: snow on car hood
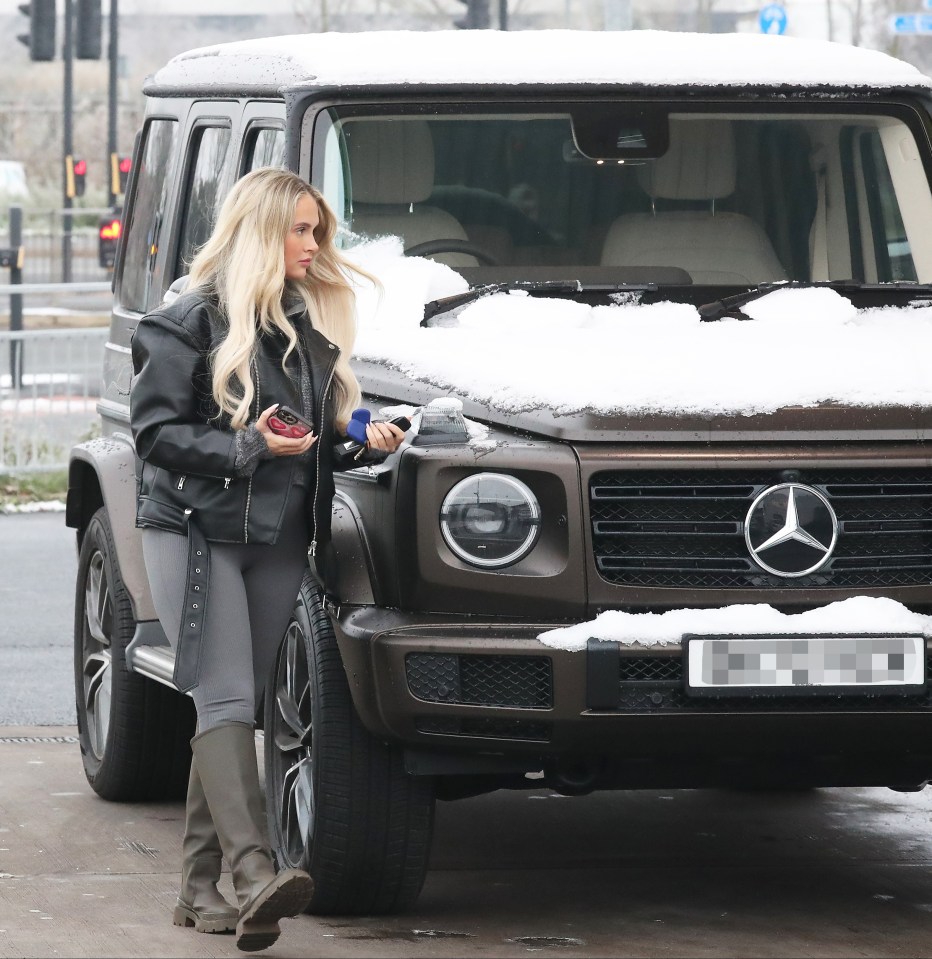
{"x":514,"y":353}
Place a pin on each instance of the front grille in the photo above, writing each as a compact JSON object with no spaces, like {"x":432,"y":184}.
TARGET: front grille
{"x":685,"y":529}
{"x":514,"y":682}
{"x":650,"y":684}
{"x":483,"y":728}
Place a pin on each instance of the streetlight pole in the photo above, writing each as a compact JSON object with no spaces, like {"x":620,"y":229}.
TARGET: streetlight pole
{"x":67,"y":140}
{"x":113,"y":54}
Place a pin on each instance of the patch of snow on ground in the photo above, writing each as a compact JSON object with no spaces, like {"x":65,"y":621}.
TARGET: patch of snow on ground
{"x":48,"y":506}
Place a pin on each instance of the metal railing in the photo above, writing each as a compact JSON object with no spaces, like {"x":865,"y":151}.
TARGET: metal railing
{"x":50,"y":382}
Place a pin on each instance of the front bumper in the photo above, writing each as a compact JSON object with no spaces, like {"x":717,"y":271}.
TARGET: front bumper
{"x":474,"y":688}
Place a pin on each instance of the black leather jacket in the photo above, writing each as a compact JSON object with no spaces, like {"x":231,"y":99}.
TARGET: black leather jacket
{"x":187,"y":453}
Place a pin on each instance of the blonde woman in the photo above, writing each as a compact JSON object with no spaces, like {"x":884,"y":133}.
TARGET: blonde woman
{"x":231,"y":510}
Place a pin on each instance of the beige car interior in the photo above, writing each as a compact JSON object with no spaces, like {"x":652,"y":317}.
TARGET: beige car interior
{"x":393,"y":175}
{"x":681,"y":207}
{"x":713,"y":246}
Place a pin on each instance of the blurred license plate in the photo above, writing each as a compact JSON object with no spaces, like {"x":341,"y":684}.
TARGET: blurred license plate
{"x":801,"y":665}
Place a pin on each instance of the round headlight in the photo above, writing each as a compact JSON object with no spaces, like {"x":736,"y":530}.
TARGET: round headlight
{"x":490,"y":519}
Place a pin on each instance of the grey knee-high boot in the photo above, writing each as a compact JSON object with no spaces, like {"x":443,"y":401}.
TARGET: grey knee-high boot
{"x":200,"y":904}
{"x":226,"y":762}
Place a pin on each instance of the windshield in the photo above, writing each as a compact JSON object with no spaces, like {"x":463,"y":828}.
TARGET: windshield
{"x":634,"y":192}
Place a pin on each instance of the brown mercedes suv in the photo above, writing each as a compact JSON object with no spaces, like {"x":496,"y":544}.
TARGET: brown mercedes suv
{"x":532,"y":592}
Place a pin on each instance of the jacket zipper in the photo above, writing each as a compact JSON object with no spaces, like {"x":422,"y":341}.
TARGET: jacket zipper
{"x":181,"y":481}
{"x":312,"y":549}
{"x":249,"y":487}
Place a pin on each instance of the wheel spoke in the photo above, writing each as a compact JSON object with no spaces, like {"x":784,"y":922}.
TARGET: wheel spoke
{"x":304,"y":799}
{"x":98,"y":610}
{"x":290,"y":737}
{"x":293,"y":695}
{"x":297,"y":808}
{"x":98,"y":680}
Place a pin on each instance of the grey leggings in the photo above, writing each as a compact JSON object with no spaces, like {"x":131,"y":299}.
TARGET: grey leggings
{"x":252,"y":593}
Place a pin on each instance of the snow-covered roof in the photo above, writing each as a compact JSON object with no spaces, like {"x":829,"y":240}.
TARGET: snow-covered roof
{"x":627,"y":58}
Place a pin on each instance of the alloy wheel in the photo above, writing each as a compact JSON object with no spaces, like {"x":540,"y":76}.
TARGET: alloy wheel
{"x":291,"y":740}
{"x":96,"y":646}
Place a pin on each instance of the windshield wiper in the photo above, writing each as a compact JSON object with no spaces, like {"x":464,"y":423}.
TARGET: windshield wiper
{"x":730,"y":306}
{"x":447,"y":304}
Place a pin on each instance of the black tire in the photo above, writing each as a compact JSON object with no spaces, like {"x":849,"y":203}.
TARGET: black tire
{"x":134,"y":733}
{"x":340,"y":804}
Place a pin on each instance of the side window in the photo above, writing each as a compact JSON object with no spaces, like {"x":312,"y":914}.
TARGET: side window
{"x":330,"y":166}
{"x":154,"y":178}
{"x":265,"y":146}
{"x":894,"y":259}
{"x":207,"y":163}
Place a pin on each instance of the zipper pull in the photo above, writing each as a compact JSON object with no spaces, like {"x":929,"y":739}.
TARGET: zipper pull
{"x":226,"y":482}
{"x":312,"y":549}
{"x":181,"y":482}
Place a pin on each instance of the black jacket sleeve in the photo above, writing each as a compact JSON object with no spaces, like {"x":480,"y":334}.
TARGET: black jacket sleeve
{"x":167,"y":415}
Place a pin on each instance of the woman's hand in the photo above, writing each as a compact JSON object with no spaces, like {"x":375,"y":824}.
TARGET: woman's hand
{"x":384,"y":436}
{"x":282,"y":445}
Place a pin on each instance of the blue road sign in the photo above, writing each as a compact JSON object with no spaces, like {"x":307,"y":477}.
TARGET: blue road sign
{"x":773,"y":19}
{"x":910,"y":23}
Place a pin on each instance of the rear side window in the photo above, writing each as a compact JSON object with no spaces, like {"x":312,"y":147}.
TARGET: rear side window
{"x":265,"y":146}
{"x":210,"y":151}
{"x":154,"y":178}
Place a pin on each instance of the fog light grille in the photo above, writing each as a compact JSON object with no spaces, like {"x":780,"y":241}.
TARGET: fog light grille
{"x":513,"y":682}
{"x":651,"y":669}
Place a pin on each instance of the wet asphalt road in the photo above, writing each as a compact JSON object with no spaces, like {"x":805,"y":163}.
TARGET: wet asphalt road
{"x":38,"y":561}
{"x":697,"y":873}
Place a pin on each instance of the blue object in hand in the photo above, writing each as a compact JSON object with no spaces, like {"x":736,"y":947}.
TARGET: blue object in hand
{"x":356,"y":428}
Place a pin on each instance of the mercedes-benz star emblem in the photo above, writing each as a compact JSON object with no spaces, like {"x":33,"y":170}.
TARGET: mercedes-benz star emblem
{"x":791,"y":530}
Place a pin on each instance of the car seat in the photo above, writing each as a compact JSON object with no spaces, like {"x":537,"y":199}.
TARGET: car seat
{"x":713,"y":246}
{"x":391,"y":164}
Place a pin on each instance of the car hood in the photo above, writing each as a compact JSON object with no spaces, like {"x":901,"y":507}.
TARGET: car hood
{"x":825,"y":422}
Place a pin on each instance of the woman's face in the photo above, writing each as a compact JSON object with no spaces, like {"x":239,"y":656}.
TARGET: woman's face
{"x":300,"y":245}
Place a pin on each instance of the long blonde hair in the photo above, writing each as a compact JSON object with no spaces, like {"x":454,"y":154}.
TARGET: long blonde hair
{"x":243,"y":265}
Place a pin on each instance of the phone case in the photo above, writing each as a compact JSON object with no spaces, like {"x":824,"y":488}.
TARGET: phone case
{"x":285,"y":422}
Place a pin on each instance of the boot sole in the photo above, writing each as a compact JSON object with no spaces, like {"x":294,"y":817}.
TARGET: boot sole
{"x":183,"y":916}
{"x":287,"y":895}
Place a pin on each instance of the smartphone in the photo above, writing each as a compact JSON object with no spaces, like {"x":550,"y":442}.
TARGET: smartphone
{"x":285,"y":422}
{"x":402,"y":422}
{"x":354,"y":448}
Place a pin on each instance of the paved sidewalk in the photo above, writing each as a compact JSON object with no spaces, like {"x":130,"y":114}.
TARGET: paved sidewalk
{"x":685,"y":873}
{"x":83,"y":877}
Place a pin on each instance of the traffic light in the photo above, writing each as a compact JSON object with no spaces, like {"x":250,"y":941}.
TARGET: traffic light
{"x":41,"y":36}
{"x":87,"y":29}
{"x":119,"y":173}
{"x":75,"y":174}
{"x":108,"y":236}
{"x":477,"y":16}
{"x":80,"y":173}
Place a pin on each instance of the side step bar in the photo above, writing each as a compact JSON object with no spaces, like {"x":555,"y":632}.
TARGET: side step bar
{"x":149,"y":654}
